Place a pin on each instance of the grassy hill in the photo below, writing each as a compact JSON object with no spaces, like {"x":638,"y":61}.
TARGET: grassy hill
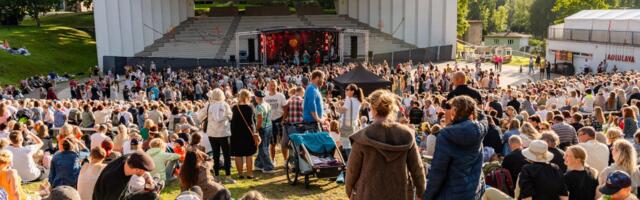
{"x":59,"y":45}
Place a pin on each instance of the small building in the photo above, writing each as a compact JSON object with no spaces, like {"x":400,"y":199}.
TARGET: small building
{"x":474,"y":33}
{"x":516,"y":41}
{"x":590,"y":37}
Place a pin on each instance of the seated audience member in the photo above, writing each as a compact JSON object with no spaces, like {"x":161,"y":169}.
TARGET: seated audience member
{"x":580,"y":179}
{"x":64,"y":193}
{"x":540,"y":179}
{"x":23,"y":160}
{"x":624,"y":159}
{"x":196,"y":172}
{"x":114,"y":178}
{"x":65,"y":165}
{"x":514,"y":161}
{"x":99,"y":136}
{"x":161,"y":159}
{"x":598,"y":153}
{"x":558,"y":155}
{"x":9,"y":179}
{"x":253,"y":195}
{"x":90,"y":172}
{"x":618,"y":187}
{"x":111,"y":155}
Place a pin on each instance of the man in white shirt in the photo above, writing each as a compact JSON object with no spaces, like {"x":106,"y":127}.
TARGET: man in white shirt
{"x":598,"y":153}
{"x":277,"y":101}
{"x":23,"y":161}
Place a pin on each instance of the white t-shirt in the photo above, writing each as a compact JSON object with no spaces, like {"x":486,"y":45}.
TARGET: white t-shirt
{"x":588,"y":103}
{"x":353,"y":110}
{"x":277,"y":103}
{"x":23,"y":162}
{"x":97,"y":139}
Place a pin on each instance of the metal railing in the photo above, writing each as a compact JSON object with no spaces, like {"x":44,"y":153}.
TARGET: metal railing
{"x":603,"y":36}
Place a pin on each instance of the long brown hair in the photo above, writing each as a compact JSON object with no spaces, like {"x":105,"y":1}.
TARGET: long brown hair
{"x":189,"y":170}
{"x":357,"y":92}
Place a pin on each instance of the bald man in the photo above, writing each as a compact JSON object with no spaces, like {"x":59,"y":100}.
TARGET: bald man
{"x":461,"y":88}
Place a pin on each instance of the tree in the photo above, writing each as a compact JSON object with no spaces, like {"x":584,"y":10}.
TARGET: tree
{"x":565,"y":8}
{"x":519,"y":15}
{"x":11,"y":12}
{"x":500,"y":19}
{"x":463,"y":11}
{"x":543,"y":17}
{"x":36,"y":7}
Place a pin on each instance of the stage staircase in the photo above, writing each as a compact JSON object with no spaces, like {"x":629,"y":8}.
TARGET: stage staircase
{"x":228,"y":38}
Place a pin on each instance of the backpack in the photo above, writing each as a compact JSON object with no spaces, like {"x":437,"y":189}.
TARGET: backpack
{"x":500,"y":179}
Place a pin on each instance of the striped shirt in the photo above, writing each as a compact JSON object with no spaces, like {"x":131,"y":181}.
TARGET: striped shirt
{"x":294,"y":105}
{"x":565,"y":132}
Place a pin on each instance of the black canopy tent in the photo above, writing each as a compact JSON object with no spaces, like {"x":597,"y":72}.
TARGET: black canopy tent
{"x":363,"y":78}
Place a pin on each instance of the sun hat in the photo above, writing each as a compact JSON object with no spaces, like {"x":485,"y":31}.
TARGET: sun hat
{"x":615,"y":182}
{"x":538,"y":152}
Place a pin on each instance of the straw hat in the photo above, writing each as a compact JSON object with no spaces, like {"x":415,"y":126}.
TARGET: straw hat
{"x":538,"y":152}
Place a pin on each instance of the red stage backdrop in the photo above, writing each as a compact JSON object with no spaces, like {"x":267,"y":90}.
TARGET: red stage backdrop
{"x":289,"y":45}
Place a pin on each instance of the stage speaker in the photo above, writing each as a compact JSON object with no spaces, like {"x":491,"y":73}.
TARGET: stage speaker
{"x":370,"y":54}
{"x":252,"y":50}
{"x":354,"y":47}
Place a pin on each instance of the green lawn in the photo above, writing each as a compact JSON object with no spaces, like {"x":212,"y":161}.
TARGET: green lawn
{"x":56,"y":46}
{"x":273,"y":186}
{"x":241,"y":7}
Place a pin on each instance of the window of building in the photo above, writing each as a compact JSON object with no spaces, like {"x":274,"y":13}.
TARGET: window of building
{"x":510,"y":41}
{"x":496,"y":41}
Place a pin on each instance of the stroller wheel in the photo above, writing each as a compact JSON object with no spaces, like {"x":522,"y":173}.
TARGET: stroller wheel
{"x":290,"y":168}
{"x":306,"y":181}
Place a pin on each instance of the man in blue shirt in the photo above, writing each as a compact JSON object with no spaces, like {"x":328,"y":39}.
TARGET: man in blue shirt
{"x":313,"y":108}
{"x":66,"y":164}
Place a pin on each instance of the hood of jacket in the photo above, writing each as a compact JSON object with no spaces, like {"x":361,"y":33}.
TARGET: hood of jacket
{"x":390,"y":140}
{"x":467,"y":133}
{"x":154,"y":152}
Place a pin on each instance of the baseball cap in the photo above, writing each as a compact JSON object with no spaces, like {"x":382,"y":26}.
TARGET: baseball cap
{"x":64,"y":193}
{"x":615,"y":182}
{"x":141,"y":160}
{"x":259,"y":94}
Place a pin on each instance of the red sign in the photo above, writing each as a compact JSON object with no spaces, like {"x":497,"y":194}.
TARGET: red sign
{"x":621,"y":58}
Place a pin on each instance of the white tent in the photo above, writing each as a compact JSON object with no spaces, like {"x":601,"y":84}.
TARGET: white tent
{"x":605,"y":20}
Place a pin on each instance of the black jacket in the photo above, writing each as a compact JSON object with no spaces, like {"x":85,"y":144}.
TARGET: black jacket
{"x":515,"y":104}
{"x":465,"y":90}
{"x":493,"y":139}
{"x":542,"y":181}
{"x":496,"y":106}
{"x":514,"y":162}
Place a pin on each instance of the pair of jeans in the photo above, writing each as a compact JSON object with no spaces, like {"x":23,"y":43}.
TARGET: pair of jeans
{"x":263,"y":160}
{"x":217,"y":144}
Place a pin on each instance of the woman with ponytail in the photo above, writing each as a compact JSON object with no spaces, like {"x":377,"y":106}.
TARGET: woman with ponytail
{"x":384,"y":155}
{"x":349,"y":120}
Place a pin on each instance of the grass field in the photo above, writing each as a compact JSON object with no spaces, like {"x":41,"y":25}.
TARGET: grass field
{"x":57,"y":46}
{"x":273,"y":186}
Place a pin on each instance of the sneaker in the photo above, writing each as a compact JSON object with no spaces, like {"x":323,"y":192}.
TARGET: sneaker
{"x":340,"y":179}
{"x":257,"y":169}
{"x":268,"y":171}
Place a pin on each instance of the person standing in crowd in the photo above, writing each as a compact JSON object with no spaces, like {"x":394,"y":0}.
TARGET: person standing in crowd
{"x":263,"y":124}
{"x":313,"y":112}
{"x":23,"y":160}
{"x":461,"y":88}
{"x":349,"y":117}
{"x":598,"y":153}
{"x":293,"y":118}
{"x":244,"y":137}
{"x":457,"y":161}
{"x":514,"y":161}
{"x":630,"y":122}
{"x":114,"y":178}
{"x":9,"y":178}
{"x":277,"y":101}
{"x":90,"y":172}
{"x":65,"y":165}
{"x":624,"y":159}
{"x":540,"y":179}
{"x":380,"y":149}
{"x":514,"y":129}
{"x":565,"y":131}
{"x":580,"y":179}
{"x":218,"y":127}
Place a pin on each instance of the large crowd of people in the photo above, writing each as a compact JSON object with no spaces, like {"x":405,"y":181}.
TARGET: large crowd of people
{"x":439,"y":132}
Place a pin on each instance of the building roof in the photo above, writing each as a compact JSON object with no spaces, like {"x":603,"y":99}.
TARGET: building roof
{"x":509,"y":35}
{"x":610,"y":20}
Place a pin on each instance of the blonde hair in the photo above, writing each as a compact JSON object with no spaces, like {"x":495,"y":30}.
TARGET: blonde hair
{"x":530,"y":131}
{"x":627,"y":155}
{"x":5,"y":157}
{"x":253,"y":195}
{"x":243,"y":95}
{"x":578,"y":153}
{"x":157,"y":143}
{"x":383,"y":102}
{"x":217,"y":95}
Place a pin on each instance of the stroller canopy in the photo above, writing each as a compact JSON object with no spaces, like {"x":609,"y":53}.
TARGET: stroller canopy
{"x":320,"y":143}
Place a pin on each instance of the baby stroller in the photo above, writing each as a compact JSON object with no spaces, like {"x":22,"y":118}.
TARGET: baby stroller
{"x":313,"y":154}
